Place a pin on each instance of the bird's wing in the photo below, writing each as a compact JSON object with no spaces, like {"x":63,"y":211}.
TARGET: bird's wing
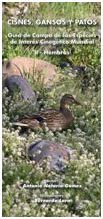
{"x":42,"y":115}
{"x":50,"y":114}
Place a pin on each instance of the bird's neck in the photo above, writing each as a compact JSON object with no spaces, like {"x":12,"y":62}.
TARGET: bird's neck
{"x":66,"y":112}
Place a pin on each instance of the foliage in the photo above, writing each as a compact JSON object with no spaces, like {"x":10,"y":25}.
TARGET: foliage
{"x":83,"y":135}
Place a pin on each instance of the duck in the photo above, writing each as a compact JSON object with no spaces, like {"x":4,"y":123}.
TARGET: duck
{"x":54,"y":120}
{"x":50,"y":155}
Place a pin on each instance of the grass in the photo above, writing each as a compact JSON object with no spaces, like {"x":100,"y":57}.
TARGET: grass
{"x":83,"y":135}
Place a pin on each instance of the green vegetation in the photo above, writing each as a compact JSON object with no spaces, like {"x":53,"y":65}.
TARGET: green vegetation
{"x":83,"y":135}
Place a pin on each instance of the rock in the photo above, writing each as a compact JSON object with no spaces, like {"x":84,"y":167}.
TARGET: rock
{"x":73,"y":70}
{"x":66,"y":64}
{"x":41,"y":70}
{"x":16,"y":81}
{"x":79,"y":69}
{"x":56,"y":154}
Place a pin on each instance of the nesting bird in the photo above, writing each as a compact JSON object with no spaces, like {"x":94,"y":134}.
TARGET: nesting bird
{"x":55,"y":120}
{"x":54,"y":156}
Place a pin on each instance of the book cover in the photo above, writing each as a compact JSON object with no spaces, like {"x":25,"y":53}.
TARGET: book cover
{"x":51,"y":109}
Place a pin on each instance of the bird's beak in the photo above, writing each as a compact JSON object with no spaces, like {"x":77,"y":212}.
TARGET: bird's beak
{"x":77,"y":102}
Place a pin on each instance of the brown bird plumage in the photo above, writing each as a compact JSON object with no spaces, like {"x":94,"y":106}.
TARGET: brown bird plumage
{"x":55,"y":120}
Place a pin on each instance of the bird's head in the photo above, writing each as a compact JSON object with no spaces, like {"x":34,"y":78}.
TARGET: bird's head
{"x":68,"y":99}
